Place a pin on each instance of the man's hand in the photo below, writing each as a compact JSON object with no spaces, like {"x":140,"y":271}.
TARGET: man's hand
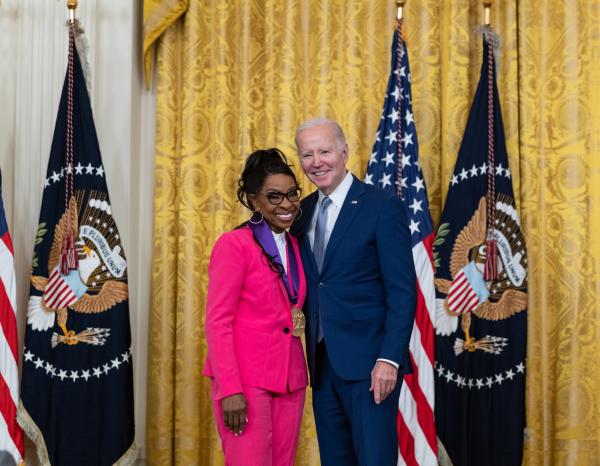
{"x":235,"y":412}
{"x":383,"y":380}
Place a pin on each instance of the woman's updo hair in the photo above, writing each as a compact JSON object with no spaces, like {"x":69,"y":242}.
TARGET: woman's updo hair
{"x":259,"y":165}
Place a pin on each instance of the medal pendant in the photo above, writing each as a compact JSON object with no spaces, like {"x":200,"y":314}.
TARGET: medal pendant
{"x":298,"y":322}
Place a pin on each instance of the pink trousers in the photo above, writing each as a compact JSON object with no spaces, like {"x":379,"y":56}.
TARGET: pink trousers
{"x":271,"y":436}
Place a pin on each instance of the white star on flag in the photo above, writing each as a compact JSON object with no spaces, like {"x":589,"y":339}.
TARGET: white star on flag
{"x":414,"y":226}
{"x":407,"y":139}
{"x":373,"y":158}
{"x":406,"y":161}
{"x":416,"y":206}
{"x":385,"y":181}
{"x":419,"y":184}
{"x":389,"y":158}
{"x":391,"y":137}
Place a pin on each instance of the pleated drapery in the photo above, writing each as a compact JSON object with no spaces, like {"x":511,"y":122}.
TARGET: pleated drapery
{"x":240,"y":75}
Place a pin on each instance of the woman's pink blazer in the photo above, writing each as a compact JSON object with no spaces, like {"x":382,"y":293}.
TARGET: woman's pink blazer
{"x":249,"y":320}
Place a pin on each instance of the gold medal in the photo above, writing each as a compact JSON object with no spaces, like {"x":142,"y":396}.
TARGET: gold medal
{"x":298,"y":322}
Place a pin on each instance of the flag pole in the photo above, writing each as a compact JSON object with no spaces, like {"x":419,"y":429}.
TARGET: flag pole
{"x":487,"y":6}
{"x":400,"y":4}
{"x":72,"y":6}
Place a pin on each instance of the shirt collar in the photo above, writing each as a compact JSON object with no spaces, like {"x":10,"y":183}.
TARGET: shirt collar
{"x":339,"y":194}
{"x":279,"y":237}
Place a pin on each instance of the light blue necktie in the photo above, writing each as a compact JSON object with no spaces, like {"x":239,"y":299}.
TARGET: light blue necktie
{"x":319,"y":248}
{"x":319,"y":240}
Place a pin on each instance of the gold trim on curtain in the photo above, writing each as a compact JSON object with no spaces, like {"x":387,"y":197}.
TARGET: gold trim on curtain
{"x":158,"y":16}
{"x":240,"y":75}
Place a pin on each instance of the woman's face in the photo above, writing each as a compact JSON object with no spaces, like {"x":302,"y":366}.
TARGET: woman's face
{"x":278,"y":200}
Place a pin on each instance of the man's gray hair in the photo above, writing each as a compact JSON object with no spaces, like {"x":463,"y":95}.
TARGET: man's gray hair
{"x":339,"y":134}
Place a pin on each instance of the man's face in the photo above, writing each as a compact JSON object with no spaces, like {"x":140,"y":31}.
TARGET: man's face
{"x":323,"y":157}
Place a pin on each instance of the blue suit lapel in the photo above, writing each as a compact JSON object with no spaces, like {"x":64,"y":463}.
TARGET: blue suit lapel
{"x":349,"y":210}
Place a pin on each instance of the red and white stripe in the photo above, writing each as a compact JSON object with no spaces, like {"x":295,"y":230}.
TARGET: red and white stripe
{"x":11,"y":435}
{"x":58,"y":293}
{"x":417,"y":439}
{"x":461,"y":295}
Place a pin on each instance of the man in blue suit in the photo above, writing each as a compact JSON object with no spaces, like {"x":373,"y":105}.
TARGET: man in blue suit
{"x":360,"y":302}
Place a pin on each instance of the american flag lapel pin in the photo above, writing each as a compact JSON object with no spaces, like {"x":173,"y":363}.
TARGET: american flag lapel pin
{"x":354,"y":201}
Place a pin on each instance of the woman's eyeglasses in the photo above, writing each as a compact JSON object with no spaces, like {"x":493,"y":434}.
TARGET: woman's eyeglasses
{"x":276,"y":197}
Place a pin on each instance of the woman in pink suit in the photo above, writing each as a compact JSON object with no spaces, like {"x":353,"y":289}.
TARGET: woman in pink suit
{"x":256,"y":290}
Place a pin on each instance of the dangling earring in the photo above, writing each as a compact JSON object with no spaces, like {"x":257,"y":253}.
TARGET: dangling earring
{"x":252,"y":217}
{"x":299,"y":216}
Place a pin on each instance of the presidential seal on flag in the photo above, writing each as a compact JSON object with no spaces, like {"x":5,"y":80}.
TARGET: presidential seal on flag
{"x":97,"y":285}
{"x":469,"y":293}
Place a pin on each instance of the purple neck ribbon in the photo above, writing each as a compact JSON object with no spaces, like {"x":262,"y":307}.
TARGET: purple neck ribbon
{"x":262,"y":232}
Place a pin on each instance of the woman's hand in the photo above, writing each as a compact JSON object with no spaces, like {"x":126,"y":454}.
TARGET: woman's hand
{"x":235,"y":412}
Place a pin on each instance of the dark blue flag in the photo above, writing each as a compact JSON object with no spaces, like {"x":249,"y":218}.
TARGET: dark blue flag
{"x":481,"y":279}
{"x":77,"y":384}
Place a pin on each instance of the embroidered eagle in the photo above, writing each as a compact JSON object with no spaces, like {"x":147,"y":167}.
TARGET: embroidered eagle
{"x":72,"y":291}
{"x":467,"y":293}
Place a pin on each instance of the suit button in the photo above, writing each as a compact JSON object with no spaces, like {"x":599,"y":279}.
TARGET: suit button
{"x":286,"y":330}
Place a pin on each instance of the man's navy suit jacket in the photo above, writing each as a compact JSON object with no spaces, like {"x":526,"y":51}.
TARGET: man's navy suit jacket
{"x":366,"y":291}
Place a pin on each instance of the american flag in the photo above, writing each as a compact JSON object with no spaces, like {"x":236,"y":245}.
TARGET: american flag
{"x":11,"y":436}
{"x":394,"y":166}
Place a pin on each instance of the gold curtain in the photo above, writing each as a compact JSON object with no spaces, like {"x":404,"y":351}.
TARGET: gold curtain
{"x":239,"y":75}
{"x":559,"y":143}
